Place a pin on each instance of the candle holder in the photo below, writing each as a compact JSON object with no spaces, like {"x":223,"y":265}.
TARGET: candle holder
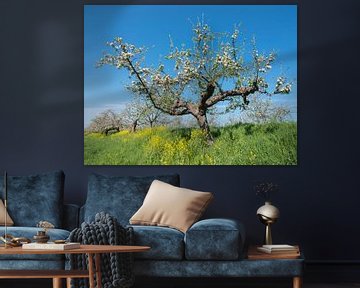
{"x":41,"y":237}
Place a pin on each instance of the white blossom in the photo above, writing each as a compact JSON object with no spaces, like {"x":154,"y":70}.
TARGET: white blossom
{"x":235,"y":34}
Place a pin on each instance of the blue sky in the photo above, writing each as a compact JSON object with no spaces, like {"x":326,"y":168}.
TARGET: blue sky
{"x":274,"y":26}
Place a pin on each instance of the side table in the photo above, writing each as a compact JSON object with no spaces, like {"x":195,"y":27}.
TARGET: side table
{"x":289,"y":259}
{"x":93,"y":251}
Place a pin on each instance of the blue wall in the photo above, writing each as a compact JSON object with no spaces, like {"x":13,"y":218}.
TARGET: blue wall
{"x":41,"y":123}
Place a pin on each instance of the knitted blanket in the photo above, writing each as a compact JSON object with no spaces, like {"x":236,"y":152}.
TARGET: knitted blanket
{"x":116,"y":268}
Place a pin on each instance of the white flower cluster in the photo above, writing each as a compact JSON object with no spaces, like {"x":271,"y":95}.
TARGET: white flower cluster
{"x":116,"y":44}
{"x":180,"y":56}
{"x":205,"y":49}
{"x":282,"y":87}
{"x":263,"y":62}
{"x":235,"y":35}
{"x":202,"y":32}
{"x":227,"y":62}
{"x":145,"y":71}
{"x":161,"y":80}
{"x":137,"y":87}
{"x":186,"y":66}
{"x":124,"y":53}
{"x":189,"y":70}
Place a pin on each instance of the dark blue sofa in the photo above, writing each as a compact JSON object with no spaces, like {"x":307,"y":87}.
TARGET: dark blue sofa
{"x":32,"y":199}
{"x":210,"y":248}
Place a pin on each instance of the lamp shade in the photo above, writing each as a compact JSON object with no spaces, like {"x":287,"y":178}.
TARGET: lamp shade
{"x":269,"y":211}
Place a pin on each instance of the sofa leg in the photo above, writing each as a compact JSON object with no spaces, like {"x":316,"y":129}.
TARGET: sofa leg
{"x":57,"y":283}
{"x":297,"y":282}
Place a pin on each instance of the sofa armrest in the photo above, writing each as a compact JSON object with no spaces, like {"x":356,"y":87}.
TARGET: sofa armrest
{"x":215,"y":239}
{"x":71,"y":216}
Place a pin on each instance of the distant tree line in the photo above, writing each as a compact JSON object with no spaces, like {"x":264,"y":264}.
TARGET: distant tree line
{"x":140,"y":114}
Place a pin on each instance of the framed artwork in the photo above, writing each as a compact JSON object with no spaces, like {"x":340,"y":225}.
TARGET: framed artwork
{"x":190,"y":84}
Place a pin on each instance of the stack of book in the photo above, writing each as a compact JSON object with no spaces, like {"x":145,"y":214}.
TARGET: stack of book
{"x":279,"y":249}
{"x":273,"y":252}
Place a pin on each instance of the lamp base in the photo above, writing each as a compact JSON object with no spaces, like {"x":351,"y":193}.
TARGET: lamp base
{"x":268,"y":237}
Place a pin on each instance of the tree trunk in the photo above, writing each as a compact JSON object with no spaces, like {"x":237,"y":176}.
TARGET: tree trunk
{"x":134,"y":125}
{"x":107,"y":130}
{"x":204,"y":125}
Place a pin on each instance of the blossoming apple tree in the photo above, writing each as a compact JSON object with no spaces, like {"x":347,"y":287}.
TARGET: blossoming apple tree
{"x":213,"y":70}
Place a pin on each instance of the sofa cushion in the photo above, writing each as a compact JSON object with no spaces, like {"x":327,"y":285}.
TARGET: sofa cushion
{"x":9,"y":221}
{"x":35,"y":198}
{"x":170,"y":206}
{"x":214,"y":239}
{"x":120,"y":196}
{"x":29,"y":232}
{"x":165,"y":243}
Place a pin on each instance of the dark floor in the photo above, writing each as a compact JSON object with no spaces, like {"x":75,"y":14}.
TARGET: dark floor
{"x":241,"y":284}
{"x":339,"y":285}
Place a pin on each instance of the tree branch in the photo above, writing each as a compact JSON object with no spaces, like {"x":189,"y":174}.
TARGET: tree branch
{"x":242,"y":91}
{"x":177,"y":103}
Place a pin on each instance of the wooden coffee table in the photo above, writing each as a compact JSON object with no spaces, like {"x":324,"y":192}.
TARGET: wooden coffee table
{"x":92,"y":251}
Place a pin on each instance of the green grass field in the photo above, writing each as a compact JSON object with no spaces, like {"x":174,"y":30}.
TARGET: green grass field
{"x":241,"y":144}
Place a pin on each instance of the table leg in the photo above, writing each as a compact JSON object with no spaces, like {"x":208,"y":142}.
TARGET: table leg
{"x":91,"y":270}
{"x":57,"y":283}
{"x":68,"y":282}
{"x":98,"y":270}
{"x":297,"y":282}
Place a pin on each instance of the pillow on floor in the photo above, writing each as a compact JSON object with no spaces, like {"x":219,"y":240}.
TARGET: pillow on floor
{"x":9,"y":221}
{"x":170,"y":206}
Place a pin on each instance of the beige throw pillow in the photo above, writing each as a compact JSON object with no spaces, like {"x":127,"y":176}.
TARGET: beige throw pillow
{"x":170,"y":206}
{"x":9,"y":221}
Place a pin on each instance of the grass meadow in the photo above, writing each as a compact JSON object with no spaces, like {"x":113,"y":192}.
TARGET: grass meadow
{"x":240,"y":144}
